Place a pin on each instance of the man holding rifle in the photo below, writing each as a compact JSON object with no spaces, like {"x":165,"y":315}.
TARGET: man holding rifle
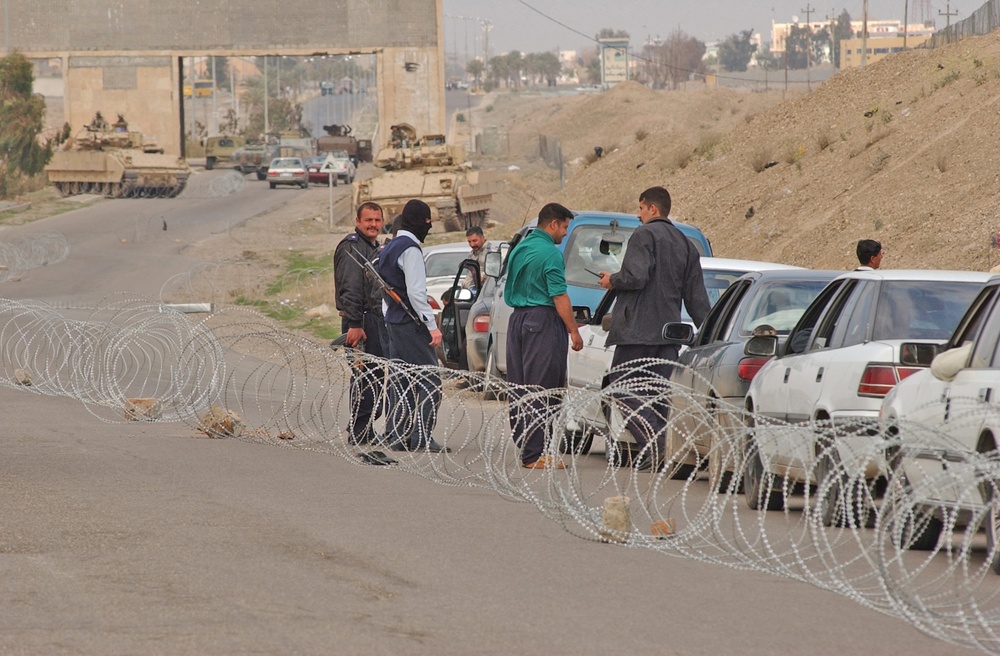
{"x":415,"y":395}
{"x":359,"y":299}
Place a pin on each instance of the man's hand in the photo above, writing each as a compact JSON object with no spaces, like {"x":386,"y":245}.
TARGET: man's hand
{"x":577,"y":340}
{"x":355,"y":335}
{"x":604,"y":281}
{"x":436,"y":338}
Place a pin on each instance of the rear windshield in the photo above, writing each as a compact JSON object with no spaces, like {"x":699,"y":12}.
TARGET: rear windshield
{"x":286,"y":163}
{"x":780,"y":304}
{"x":444,"y":264}
{"x":921,"y":309}
{"x":584,"y":258}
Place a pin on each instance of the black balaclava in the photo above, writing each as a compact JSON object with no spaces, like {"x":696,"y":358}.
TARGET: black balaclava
{"x":415,"y":218}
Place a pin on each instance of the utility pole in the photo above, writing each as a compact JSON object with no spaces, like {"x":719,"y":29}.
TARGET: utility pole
{"x":834,"y":49}
{"x":487,"y":26}
{"x":948,"y":14}
{"x":906,"y":11}
{"x":809,"y":30}
{"x":864,"y":35}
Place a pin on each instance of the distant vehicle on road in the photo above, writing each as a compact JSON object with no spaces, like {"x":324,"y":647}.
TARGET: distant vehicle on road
{"x":221,"y":148}
{"x":287,"y":171}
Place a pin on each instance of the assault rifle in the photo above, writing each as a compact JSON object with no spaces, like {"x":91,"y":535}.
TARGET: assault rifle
{"x":370,"y":269}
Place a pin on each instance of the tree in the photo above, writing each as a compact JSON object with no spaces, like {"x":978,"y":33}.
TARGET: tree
{"x":797,"y":47}
{"x":736,"y":50}
{"x":674,"y":60}
{"x":22,"y":115}
{"x":611,"y":33}
{"x":842,"y":30}
{"x":766,"y":59}
{"x":475,"y":68}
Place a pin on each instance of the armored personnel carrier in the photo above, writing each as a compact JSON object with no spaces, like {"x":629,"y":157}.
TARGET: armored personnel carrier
{"x":111,"y":160}
{"x":436,"y":173}
{"x":255,"y":157}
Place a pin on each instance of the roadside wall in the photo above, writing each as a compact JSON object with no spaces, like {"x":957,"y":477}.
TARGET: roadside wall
{"x":123,"y":57}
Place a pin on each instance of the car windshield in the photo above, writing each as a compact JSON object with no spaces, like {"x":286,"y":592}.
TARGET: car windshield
{"x":287,"y":163}
{"x":921,"y":309}
{"x":314,"y":160}
{"x":341,"y":154}
{"x":444,"y":264}
{"x":780,"y":304}
{"x":584,"y":256}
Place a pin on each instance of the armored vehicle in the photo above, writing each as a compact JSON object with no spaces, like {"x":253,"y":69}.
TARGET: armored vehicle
{"x":220,"y":149}
{"x":428,"y":169}
{"x":110,"y":160}
{"x":256,"y":157}
{"x":338,"y":137}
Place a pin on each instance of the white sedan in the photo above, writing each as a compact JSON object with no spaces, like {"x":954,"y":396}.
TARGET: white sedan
{"x":812,"y":410}
{"x":943,"y":427}
{"x":588,"y":369}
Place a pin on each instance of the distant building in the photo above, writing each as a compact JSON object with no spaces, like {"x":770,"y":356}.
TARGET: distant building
{"x":878,"y":48}
{"x":877,"y":30}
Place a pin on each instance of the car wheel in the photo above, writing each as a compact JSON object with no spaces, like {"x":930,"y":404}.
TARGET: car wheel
{"x":261,"y":176}
{"x":721,"y":465}
{"x":273,"y":185}
{"x":906,"y":526}
{"x":305,"y":185}
{"x":577,"y":442}
{"x":761,"y":488}
{"x":209,"y":163}
{"x":842,"y":501}
{"x":493,"y":388}
{"x":992,"y":524}
{"x":679,"y":451}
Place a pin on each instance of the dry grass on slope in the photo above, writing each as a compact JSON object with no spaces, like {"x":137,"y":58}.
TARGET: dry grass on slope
{"x":904,"y":151}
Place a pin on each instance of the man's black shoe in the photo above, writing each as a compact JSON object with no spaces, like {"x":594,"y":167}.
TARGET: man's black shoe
{"x":377,"y":458}
{"x":398,"y":446}
{"x":434,"y":447}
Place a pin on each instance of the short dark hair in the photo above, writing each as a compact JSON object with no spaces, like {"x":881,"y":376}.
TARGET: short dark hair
{"x":659,"y":197}
{"x":369,"y":205}
{"x":474,"y":230}
{"x":867,"y":249}
{"x":553,"y":212}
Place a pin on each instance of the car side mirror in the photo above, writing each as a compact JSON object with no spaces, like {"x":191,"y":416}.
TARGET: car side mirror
{"x":581,"y":313}
{"x":678,"y":332}
{"x":462,"y":295}
{"x":762,"y":346}
{"x":913,"y":354}
{"x":494,"y":260}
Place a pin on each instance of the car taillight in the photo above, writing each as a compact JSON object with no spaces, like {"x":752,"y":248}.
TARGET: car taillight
{"x":878,"y":379}
{"x":905,"y":372}
{"x":749,"y":367}
{"x":434,"y":304}
{"x":481,"y":324}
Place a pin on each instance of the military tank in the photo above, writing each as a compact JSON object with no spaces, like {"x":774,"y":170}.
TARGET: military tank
{"x":111,"y":160}
{"x":436,"y":173}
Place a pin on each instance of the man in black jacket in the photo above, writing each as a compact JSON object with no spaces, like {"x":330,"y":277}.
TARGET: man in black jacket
{"x":661,"y":269}
{"x":359,"y":300}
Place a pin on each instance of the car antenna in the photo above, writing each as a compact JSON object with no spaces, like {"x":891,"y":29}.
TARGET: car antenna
{"x":528,"y":211}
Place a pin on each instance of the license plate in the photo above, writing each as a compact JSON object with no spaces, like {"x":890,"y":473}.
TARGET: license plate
{"x":286,"y":175}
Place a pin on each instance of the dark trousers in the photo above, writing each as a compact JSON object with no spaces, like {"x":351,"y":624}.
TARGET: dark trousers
{"x":537,"y":346}
{"x":414,"y":392}
{"x":646,"y":400}
{"x":366,"y":406}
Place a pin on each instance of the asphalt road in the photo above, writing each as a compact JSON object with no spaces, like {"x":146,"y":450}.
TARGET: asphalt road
{"x":151,"y":538}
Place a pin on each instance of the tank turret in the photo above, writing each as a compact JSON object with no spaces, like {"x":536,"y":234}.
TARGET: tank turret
{"x":117,"y":163}
{"x":429,"y":169}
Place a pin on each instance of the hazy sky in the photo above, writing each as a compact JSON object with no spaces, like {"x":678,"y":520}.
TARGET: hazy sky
{"x":516,"y":26}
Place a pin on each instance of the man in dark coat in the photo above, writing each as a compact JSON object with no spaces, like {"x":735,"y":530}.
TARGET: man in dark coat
{"x":359,"y":300}
{"x":661,"y":269}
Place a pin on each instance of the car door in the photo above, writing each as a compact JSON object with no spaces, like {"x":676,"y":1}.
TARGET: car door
{"x":692,"y":387}
{"x":454,"y":315}
{"x":960,"y":409}
{"x":806,"y":374}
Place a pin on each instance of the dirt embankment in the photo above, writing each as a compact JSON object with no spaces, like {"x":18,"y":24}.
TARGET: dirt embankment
{"x":904,"y":151}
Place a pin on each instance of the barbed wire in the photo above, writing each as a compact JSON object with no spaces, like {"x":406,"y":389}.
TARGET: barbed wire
{"x":904,"y":522}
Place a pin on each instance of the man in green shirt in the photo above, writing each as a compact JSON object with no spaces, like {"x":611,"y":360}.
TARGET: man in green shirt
{"x":536,"y":335}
